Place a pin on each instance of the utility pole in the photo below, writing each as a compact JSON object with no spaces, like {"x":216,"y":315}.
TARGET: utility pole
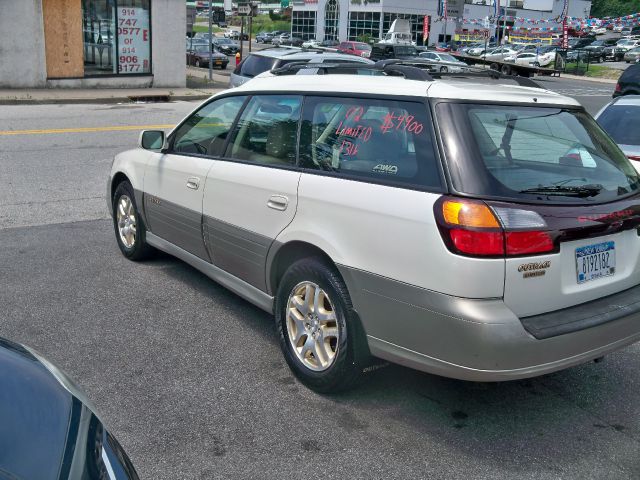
{"x":210,"y":40}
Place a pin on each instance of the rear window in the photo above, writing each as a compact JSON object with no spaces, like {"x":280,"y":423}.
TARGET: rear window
{"x":381,"y":141}
{"x":363,"y":46}
{"x":535,"y":154}
{"x":255,"y":65}
{"x":617,"y":121}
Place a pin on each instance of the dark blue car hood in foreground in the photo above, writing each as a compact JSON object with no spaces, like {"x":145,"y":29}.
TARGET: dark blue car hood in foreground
{"x":48,"y":432}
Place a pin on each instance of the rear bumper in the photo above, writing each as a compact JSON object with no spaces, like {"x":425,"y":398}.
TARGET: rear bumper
{"x":470,"y":339}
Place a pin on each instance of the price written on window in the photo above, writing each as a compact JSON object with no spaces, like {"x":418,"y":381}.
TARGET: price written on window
{"x":392,"y":121}
{"x":133,"y":41}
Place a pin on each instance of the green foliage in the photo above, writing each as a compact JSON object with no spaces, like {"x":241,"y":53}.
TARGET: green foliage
{"x":614,"y":8}
{"x":366,"y":38}
{"x":263,"y":23}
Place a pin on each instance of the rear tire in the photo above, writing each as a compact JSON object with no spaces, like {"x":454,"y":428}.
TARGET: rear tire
{"x":506,"y":70}
{"x":128,"y":224}
{"x":319,"y":332}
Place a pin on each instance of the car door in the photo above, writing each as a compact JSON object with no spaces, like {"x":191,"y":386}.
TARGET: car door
{"x":174,"y":181}
{"x":251,"y":195}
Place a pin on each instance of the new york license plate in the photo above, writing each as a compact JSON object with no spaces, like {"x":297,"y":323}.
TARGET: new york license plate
{"x":595,"y":261}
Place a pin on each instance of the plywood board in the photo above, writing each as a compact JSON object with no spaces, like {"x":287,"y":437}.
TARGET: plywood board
{"x":63,"y":38}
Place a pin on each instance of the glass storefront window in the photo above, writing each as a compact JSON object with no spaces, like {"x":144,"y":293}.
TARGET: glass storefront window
{"x":117,"y":37}
{"x":303,"y":24}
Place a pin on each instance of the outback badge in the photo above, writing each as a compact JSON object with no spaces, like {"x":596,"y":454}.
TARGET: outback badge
{"x":534,"y":269}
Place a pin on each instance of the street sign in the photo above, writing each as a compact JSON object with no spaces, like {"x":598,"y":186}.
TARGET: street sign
{"x":244,"y":9}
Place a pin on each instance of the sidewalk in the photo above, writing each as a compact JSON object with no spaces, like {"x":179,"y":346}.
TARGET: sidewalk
{"x":42,"y":96}
{"x":589,"y":79}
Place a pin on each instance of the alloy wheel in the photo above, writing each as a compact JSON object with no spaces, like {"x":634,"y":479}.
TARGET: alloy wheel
{"x":126,"y":218}
{"x":312,"y":326}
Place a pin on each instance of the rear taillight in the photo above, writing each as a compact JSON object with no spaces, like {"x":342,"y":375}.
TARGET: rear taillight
{"x":634,"y":157}
{"x":618,"y":88}
{"x":472,"y":228}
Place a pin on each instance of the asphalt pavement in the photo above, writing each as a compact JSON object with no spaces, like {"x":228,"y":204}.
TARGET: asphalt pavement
{"x":191,"y":380}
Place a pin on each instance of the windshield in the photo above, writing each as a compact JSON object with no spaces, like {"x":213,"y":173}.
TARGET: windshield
{"x":200,"y":48}
{"x":533,"y":154}
{"x":224,"y":41}
{"x":363,"y":46}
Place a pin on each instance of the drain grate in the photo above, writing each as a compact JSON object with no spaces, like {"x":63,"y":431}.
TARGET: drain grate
{"x":149,"y":98}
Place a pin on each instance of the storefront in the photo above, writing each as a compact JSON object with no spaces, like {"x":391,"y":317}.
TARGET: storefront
{"x":87,"y":43}
{"x":370,"y":19}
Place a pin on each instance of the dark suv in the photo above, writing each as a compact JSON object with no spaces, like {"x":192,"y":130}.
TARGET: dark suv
{"x":629,"y":82}
{"x":382,"y":51}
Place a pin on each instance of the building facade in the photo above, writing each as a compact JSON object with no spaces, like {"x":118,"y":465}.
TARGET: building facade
{"x":92,"y":43}
{"x":370,"y":19}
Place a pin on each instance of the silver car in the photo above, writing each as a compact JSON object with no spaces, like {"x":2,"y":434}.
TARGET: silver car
{"x":620,"y":119}
{"x":265,"y":60}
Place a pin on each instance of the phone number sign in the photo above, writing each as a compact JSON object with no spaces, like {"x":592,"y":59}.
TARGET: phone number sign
{"x":134,"y":41}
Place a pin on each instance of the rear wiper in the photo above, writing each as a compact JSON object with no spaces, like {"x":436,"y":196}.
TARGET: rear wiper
{"x":566,"y":191}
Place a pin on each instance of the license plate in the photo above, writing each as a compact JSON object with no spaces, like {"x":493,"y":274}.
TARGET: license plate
{"x":595,"y":261}
{"x":218,"y":62}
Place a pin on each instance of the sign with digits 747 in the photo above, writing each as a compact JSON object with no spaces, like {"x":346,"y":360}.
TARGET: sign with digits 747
{"x":134,"y":40}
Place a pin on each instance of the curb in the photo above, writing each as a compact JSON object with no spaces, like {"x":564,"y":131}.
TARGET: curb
{"x":606,"y":81}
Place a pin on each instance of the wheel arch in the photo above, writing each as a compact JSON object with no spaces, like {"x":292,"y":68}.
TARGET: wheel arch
{"x":117,"y":179}
{"x":281,"y":256}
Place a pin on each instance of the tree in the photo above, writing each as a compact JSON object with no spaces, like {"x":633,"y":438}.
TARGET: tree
{"x":614,"y":8}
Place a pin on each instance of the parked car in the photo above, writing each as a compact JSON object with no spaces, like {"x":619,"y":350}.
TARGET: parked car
{"x":310,"y":43}
{"x":533,"y":59}
{"x":629,"y":82}
{"x":597,"y":48}
{"x":386,"y":51}
{"x":268,"y":59}
{"x":264,"y":37}
{"x":235,"y":35}
{"x":329,"y":43}
{"x":480,"y":49}
{"x":464,"y":50}
{"x":226,"y":46}
{"x":291,"y":41}
{"x":633,"y":55}
{"x":501,"y":251}
{"x":623,"y":46}
{"x":444,"y":62}
{"x":499,"y":54}
{"x":280,"y":39}
{"x":50,"y":430}
{"x":360,"y":49}
{"x":579,"y":43}
{"x":198,"y":56}
{"x":617,"y":118}
{"x":599,"y":30}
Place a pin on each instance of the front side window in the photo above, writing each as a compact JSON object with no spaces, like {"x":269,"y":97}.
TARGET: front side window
{"x":537,"y":154}
{"x":117,"y":37}
{"x":376,"y":140}
{"x":205,"y":132}
{"x":267,"y":132}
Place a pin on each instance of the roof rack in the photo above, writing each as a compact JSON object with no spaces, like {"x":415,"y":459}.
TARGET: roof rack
{"x":409,"y":69}
{"x":390,"y":67}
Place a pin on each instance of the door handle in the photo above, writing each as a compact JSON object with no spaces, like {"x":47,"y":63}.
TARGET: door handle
{"x":278,"y":202}
{"x":193,"y":183}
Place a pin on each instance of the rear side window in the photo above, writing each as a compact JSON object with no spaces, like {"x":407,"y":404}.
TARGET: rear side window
{"x":368,"y":139}
{"x":622,"y":122}
{"x":267,"y":131}
{"x":538,"y":154}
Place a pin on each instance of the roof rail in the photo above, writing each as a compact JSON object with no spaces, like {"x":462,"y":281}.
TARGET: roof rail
{"x":409,"y":69}
{"x":392,"y":67}
{"x":488,"y":72}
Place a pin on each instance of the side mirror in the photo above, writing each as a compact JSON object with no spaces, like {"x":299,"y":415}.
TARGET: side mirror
{"x":151,"y":140}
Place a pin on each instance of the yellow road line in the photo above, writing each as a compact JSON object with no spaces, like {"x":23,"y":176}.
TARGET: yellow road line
{"x":116,"y":128}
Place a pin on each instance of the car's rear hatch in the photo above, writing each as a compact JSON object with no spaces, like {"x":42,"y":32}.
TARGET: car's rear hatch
{"x":563,"y":191}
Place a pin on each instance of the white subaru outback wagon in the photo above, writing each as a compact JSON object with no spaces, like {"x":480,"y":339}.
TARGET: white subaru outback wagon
{"x":475,"y":231}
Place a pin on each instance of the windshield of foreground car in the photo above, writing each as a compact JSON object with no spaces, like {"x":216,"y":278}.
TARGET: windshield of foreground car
{"x":533,"y":154}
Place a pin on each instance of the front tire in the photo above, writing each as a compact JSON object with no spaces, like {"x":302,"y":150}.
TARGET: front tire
{"x":319,"y":332}
{"x":197,"y":64}
{"x":444,"y":69}
{"x":128,"y":224}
